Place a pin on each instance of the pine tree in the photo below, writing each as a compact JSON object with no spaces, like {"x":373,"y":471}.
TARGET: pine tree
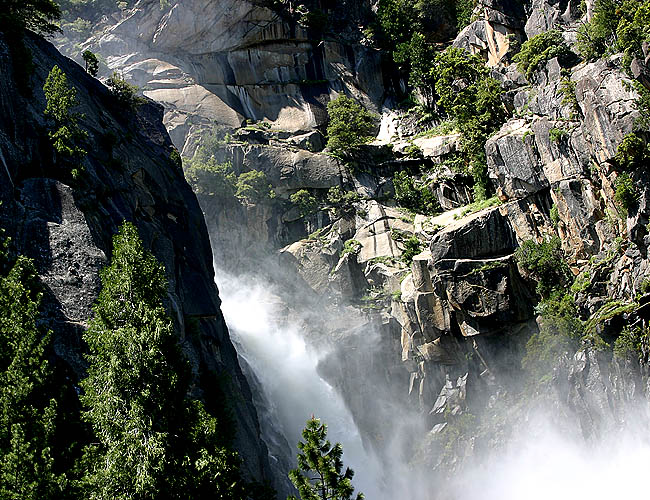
{"x":152,"y":441}
{"x":36,"y":15}
{"x":60,"y":99}
{"x":318,"y":476}
{"x":92,"y":63}
{"x":350,"y":126}
{"x":27,"y":415}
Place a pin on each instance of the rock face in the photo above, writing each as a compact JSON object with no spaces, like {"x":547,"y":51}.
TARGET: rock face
{"x":436,"y":309}
{"x":533,"y":153}
{"x":224,"y":62}
{"x":67,"y":225}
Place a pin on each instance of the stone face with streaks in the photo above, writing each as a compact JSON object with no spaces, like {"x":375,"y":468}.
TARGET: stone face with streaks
{"x":67,"y":226}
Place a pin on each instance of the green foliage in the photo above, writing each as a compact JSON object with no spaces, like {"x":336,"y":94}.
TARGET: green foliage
{"x":607,"y":311}
{"x":445,"y":127}
{"x":560,"y":329}
{"x":642,"y":104}
{"x":40,"y":16}
{"x":319,"y":474}
{"x":557,"y":134}
{"x":545,"y":263}
{"x":27,"y":414}
{"x":477,"y":206}
{"x":413,"y":151}
{"x":412,"y":247}
{"x":398,"y":20}
{"x":315,"y":20}
{"x":210,"y":178}
{"x":81,"y":28}
{"x":351,"y":246}
{"x":473,"y":98}
{"x":92,"y":63}
{"x":632,"y":152}
{"x":554,"y":215}
{"x":582,"y":282}
{"x":175,"y":158}
{"x":625,"y":193}
{"x":419,"y":55}
{"x":594,"y":342}
{"x":124,"y":92}
{"x":336,"y":196}
{"x":629,"y":344}
{"x":395,"y":18}
{"x":151,"y":440}
{"x":489,"y":266}
{"x":597,"y":37}
{"x":464,"y":9}
{"x":91,"y":10}
{"x":254,"y":187}
{"x":616,"y":26}
{"x":568,"y":92}
{"x":350,"y":126}
{"x":60,"y":99}
{"x":413,"y":195}
{"x":305,"y":201}
{"x":342,"y":202}
{"x":540,"y":49}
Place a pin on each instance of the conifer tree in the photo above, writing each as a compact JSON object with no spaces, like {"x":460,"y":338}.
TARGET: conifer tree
{"x":27,"y":415}
{"x":152,"y":441}
{"x":60,"y":99}
{"x":36,"y":15}
{"x":92,"y":63}
{"x":319,"y":476}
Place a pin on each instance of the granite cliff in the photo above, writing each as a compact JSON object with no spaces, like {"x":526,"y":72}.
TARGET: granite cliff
{"x":66,"y":224}
{"x":455,"y":307}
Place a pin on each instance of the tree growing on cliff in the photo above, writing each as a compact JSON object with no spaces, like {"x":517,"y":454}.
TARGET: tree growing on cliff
{"x":27,"y":414}
{"x":92,"y":63}
{"x":36,"y":15}
{"x":468,"y":94}
{"x":350,"y":126}
{"x":319,"y":475}
{"x":152,"y":441}
{"x":254,"y":187}
{"x":60,"y":98}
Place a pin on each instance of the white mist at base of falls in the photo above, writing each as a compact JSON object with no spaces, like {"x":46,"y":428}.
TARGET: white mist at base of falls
{"x":547,"y":465}
{"x":286,"y":369}
{"x":539,"y":464}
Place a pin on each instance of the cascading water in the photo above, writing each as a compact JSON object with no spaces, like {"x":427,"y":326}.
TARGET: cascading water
{"x":286,"y":368}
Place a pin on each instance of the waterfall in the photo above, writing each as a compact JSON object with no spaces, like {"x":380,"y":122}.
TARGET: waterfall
{"x":272,"y":345}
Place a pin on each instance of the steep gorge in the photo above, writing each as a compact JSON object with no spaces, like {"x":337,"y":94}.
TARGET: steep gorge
{"x":423,"y":343}
{"x":66,"y":226}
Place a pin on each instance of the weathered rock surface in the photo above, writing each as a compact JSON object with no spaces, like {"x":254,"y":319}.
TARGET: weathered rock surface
{"x":67,"y":226}
{"x":225,"y":62}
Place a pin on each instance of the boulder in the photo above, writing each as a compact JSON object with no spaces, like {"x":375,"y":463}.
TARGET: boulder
{"x":483,"y":234}
{"x":514,"y":164}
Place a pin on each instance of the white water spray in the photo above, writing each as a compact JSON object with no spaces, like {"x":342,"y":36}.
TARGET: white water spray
{"x":539,"y":464}
{"x":286,"y":368}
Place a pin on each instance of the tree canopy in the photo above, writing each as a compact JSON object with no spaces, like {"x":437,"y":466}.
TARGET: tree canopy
{"x":350,"y":125}
{"x":153,"y":441}
{"x":27,"y":414}
{"x":40,"y":16}
{"x":319,"y":476}
{"x":60,"y":98}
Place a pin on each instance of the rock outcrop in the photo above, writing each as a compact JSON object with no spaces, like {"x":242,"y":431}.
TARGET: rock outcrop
{"x":437,"y":308}
{"x":66,"y":225}
{"x":227,"y":62}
